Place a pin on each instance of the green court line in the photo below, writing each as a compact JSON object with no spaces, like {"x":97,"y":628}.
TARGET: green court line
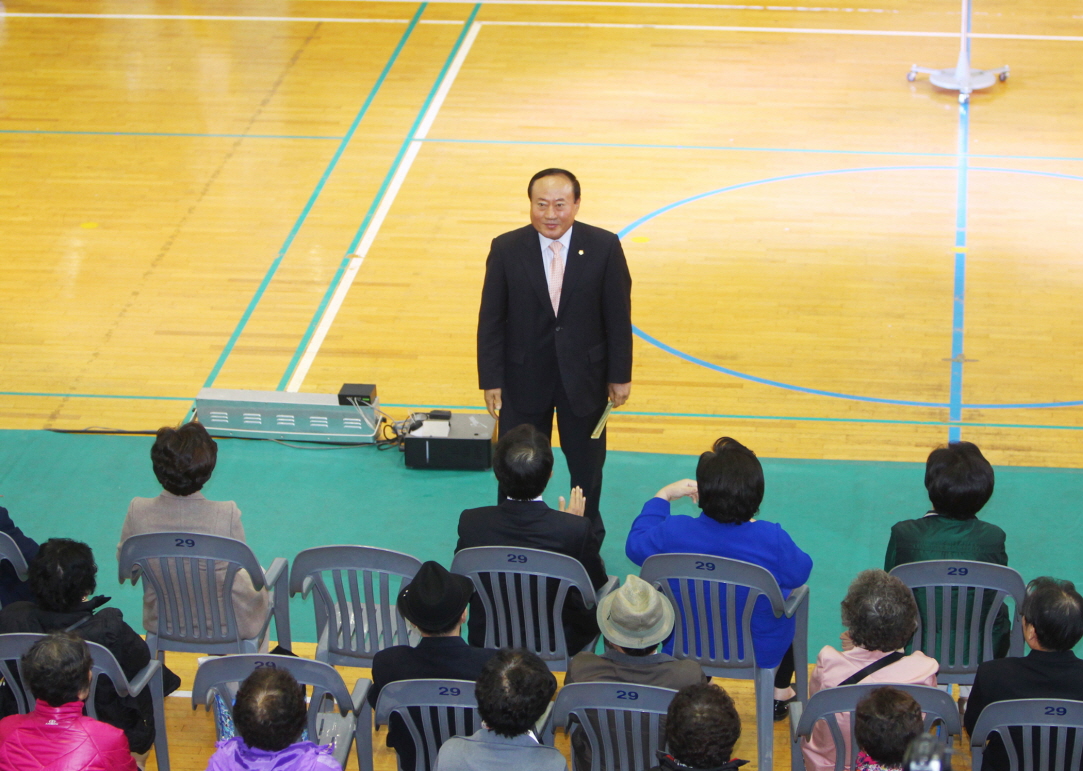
{"x":311,"y":202}
{"x":729,"y":148}
{"x":807,"y":419}
{"x":704,"y":415}
{"x":411,"y":137}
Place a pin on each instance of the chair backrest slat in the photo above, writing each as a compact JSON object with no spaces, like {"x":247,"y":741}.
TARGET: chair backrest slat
{"x":433,"y":711}
{"x":1038,"y":734}
{"x":354,"y":590}
{"x":621,"y":722}
{"x":959,"y":602}
{"x":523,"y":593}
{"x":192,"y":576}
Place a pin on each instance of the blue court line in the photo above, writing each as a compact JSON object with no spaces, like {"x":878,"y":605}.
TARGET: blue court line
{"x":817,"y":392}
{"x":809,"y":150}
{"x":161,"y":134}
{"x":311,"y":202}
{"x":391,"y":172}
{"x":95,"y":396}
{"x":958,"y":293}
{"x":807,"y":419}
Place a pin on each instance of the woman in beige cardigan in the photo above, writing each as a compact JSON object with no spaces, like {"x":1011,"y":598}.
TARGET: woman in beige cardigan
{"x":183,"y":460}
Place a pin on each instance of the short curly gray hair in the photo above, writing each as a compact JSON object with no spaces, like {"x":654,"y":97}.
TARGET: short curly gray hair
{"x":880,"y":611}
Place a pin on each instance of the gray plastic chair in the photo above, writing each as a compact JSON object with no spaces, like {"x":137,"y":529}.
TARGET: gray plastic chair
{"x":938,"y":706}
{"x":701,"y":580}
{"x":433,"y":711}
{"x":1042,"y":725}
{"x":180,"y":567}
{"x":354,"y":596}
{"x":522,"y":608}
{"x":13,"y":646}
{"x":623,"y":723}
{"x":9,"y":550}
{"x":335,"y":716}
{"x":956,"y":636}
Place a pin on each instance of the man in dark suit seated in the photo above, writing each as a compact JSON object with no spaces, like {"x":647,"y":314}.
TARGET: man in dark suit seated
{"x":1052,"y":625}
{"x":435,"y":602}
{"x":523,"y":463}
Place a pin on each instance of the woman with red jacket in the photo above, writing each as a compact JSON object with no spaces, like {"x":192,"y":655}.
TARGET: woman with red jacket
{"x":56,"y":735}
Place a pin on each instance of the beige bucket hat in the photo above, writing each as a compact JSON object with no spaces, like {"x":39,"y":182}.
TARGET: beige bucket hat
{"x":636,"y":615}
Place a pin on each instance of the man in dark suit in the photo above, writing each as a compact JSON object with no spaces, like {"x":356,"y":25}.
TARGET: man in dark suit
{"x":435,"y":602}
{"x":555,"y":329}
{"x":523,"y":463}
{"x":1052,"y":625}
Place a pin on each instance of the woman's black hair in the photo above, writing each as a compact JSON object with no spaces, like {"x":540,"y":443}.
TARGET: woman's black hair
{"x":959,"y":480}
{"x":730,"y":481}
{"x":885,"y":723}
{"x":61,"y":574}
{"x":702,"y":725}
{"x":183,"y":458}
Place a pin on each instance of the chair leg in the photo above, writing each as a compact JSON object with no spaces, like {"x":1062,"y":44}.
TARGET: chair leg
{"x":765,"y":718}
{"x":157,"y":692}
{"x":363,"y":738}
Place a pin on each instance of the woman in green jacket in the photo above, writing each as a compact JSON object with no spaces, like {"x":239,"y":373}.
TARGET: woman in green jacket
{"x":960,"y":482}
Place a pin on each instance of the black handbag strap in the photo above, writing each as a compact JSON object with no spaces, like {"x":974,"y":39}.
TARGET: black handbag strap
{"x":875,"y":666}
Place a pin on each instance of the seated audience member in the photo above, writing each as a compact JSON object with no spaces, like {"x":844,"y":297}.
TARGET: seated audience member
{"x":513,"y":692}
{"x":11,"y":588}
{"x":960,"y":482}
{"x":634,"y":619}
{"x":63,"y":576}
{"x":523,"y":463}
{"x":885,"y":723}
{"x":880,"y":616}
{"x":1052,"y":625}
{"x":729,"y":489}
{"x":270,"y":713}
{"x":57,"y":736}
{"x":434,"y":602}
{"x":183,"y":460}
{"x":702,"y":726}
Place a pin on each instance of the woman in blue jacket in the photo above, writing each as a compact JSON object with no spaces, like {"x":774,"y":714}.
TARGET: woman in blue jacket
{"x":729,"y":488}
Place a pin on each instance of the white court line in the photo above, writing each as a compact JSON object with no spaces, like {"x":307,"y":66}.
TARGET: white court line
{"x":620,"y":4}
{"x":377,"y":221}
{"x":584,"y":24}
{"x":783,"y":30}
{"x":181,"y":17}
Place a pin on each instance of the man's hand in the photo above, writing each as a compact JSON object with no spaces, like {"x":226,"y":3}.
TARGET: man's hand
{"x":619,"y":392}
{"x":493,"y":402}
{"x":847,"y":643}
{"x":679,"y":489}
{"x":578,"y":505}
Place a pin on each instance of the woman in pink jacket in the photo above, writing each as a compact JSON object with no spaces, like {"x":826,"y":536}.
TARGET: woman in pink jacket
{"x":880,"y":616}
{"x":56,"y":735}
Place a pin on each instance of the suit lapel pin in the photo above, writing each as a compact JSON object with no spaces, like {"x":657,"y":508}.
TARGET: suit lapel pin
{"x":580,"y":252}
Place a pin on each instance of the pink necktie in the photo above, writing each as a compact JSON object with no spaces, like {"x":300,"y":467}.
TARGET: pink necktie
{"x":556,"y":275}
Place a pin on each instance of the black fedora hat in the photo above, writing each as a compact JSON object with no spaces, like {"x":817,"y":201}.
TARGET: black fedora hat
{"x":435,"y":599}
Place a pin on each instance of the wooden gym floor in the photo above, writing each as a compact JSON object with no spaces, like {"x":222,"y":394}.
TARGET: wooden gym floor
{"x":829,"y":262}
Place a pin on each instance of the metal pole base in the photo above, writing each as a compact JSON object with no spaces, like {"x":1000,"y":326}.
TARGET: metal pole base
{"x":964,"y":81}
